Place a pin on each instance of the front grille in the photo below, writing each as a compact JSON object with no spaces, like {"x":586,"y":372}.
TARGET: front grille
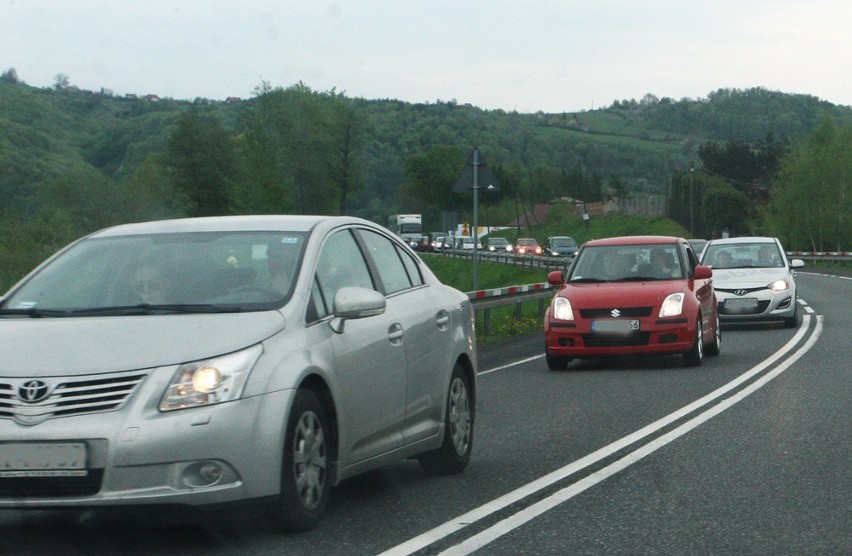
{"x":616,"y":340}
{"x":743,"y":290}
{"x":626,"y":312}
{"x":760,"y":309}
{"x":52,"y":486}
{"x":69,"y":396}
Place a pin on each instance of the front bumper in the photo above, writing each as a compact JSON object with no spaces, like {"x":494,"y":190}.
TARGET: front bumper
{"x":769,"y":306}
{"x":138,"y":455}
{"x":654,"y":337}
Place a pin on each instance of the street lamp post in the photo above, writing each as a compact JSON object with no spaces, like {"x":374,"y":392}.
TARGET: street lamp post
{"x":488,"y":190}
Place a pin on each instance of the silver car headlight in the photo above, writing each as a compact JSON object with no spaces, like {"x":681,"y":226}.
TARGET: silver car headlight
{"x":211,"y":381}
{"x":779,"y":285}
{"x":562,"y":309}
{"x":672,"y":305}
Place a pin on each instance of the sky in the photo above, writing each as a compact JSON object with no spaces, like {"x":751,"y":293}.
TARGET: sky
{"x":523,"y":55}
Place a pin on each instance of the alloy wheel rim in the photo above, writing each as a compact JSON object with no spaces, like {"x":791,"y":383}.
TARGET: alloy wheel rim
{"x":309,"y":460}
{"x":459,"y":416}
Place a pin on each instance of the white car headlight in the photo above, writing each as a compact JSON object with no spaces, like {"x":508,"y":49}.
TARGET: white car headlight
{"x":212,"y":381}
{"x":562,"y":309}
{"x":672,"y":305}
{"x":779,"y":285}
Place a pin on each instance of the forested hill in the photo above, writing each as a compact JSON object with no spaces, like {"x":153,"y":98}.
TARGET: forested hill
{"x":72,"y":161}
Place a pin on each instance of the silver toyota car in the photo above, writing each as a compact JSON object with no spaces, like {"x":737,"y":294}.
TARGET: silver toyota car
{"x":223,"y":359}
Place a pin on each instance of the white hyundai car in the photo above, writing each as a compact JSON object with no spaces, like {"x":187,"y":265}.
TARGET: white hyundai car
{"x":213,"y":360}
{"x":754,"y":280}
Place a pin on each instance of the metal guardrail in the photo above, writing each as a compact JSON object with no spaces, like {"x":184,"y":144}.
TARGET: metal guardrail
{"x":820,"y":255}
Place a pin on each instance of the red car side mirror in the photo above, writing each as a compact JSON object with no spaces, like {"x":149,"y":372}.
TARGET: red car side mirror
{"x":555,"y":279}
{"x":703,"y":272}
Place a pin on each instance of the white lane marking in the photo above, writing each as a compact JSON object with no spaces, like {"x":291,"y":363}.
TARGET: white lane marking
{"x":448,"y":528}
{"x":809,"y":310}
{"x":513,"y":364}
{"x":516,"y":520}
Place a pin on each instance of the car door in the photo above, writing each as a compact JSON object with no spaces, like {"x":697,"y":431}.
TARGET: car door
{"x":369,"y":357}
{"x":425,"y":320}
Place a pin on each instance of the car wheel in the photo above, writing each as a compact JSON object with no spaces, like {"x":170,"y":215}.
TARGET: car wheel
{"x":715,"y":346}
{"x":556,"y":362}
{"x":454,"y":453}
{"x":793,"y":322}
{"x":695,"y":356}
{"x":305,"y":471}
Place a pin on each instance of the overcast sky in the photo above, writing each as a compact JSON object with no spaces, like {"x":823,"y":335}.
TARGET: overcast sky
{"x":524,"y":55}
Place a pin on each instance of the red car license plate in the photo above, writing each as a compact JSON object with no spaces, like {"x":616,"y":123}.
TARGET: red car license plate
{"x":615,"y":325}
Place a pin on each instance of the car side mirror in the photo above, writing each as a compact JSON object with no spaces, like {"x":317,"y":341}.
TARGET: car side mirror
{"x":356,"y":303}
{"x":797,"y":263}
{"x":555,"y":278}
{"x":702,"y":272}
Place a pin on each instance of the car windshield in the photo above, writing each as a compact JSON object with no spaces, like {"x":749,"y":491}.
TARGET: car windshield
{"x":743,"y":255}
{"x":563,"y":242}
{"x":623,"y":263}
{"x":177,"y":272}
{"x":497,"y":241}
{"x":527,"y":242}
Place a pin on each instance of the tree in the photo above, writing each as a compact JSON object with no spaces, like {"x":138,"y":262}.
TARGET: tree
{"x":60,"y":81}
{"x":10,"y":76}
{"x":812,"y":205}
{"x":201,"y":157}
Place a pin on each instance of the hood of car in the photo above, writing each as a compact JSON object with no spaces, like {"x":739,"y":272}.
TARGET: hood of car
{"x":620,"y":294}
{"x":79,"y":346}
{"x":747,"y":277}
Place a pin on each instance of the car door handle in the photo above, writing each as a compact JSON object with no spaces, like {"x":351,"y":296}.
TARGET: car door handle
{"x":395,"y":334}
{"x":443,"y":320}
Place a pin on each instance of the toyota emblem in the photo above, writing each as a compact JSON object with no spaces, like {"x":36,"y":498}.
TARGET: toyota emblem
{"x":33,"y":391}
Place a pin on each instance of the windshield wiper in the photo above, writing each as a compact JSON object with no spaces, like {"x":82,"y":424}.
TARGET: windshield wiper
{"x":34,"y":313}
{"x":150,"y":309}
{"x":587,"y":280}
{"x":126,"y":310}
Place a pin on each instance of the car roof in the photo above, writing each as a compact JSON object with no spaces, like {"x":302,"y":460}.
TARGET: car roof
{"x":294,"y":223}
{"x":745,"y":239}
{"x":634,"y":240}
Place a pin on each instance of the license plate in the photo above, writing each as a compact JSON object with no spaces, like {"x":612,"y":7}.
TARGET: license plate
{"x":741,"y":303}
{"x":60,"y":459}
{"x":615,"y":325}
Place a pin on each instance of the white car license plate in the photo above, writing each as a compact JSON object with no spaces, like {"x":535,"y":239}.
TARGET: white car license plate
{"x":741,"y":303}
{"x":615,"y":325}
{"x":65,"y":459}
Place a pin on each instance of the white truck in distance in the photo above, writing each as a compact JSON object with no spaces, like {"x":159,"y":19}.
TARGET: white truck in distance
{"x":407,"y":226}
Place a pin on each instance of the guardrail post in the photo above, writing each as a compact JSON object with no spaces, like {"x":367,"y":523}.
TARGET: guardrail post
{"x":486,"y":321}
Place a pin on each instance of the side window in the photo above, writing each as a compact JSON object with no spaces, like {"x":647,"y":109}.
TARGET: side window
{"x":391,"y":268}
{"x":340,"y":264}
{"x":411,"y":266}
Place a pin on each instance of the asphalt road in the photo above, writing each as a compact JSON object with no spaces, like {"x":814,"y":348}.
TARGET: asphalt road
{"x":748,"y":454}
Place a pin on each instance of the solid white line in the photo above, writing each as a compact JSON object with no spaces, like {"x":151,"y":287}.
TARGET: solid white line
{"x":516,"y":520}
{"x":448,"y":528}
{"x":500,"y":368}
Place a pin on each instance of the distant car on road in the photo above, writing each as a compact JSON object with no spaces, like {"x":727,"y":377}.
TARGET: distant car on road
{"x":697,"y":245}
{"x":468,"y":243}
{"x":632,"y":296}
{"x":561,"y":246}
{"x":528,"y":246}
{"x":498,"y":245}
{"x":754,"y":279}
{"x":214,"y":360}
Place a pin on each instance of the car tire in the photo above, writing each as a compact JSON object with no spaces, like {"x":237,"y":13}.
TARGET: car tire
{"x":454,"y":454}
{"x":793,"y":321}
{"x":695,"y":356}
{"x":556,"y":362}
{"x":305,"y":477}
{"x":714,"y":348}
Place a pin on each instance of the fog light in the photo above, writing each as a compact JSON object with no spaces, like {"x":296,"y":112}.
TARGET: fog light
{"x":202,"y":474}
{"x":565,"y":342}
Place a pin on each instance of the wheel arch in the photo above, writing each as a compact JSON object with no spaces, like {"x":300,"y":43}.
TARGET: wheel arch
{"x":316,"y":384}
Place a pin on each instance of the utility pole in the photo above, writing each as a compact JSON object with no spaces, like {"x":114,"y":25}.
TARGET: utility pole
{"x":692,"y":199}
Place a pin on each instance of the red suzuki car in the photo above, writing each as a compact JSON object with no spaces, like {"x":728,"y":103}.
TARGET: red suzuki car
{"x":633,"y":295}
